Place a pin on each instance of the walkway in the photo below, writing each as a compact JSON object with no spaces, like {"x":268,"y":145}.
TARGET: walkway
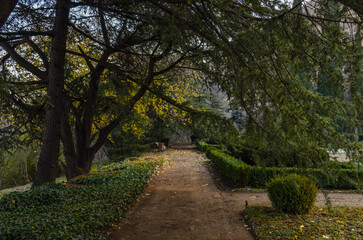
{"x":187,"y":200}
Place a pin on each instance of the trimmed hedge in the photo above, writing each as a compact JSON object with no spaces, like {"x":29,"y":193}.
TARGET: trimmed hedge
{"x":255,"y":176}
{"x":345,"y":178}
{"x":354,"y":137}
{"x":204,"y":147}
{"x":231,"y":167}
{"x":292,"y":194}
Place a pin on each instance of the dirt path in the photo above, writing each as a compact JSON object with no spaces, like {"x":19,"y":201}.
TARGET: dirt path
{"x":188,"y":200}
{"x":183,"y":203}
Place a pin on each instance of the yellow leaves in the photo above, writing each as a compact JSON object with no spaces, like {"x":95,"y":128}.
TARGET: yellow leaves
{"x":138,"y":129}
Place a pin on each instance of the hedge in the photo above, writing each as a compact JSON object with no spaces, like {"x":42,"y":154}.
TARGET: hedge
{"x":204,"y":147}
{"x":231,"y":167}
{"x":358,"y":137}
{"x":258,"y":176}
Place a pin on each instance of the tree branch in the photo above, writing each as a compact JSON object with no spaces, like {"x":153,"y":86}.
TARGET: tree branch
{"x":103,"y":25}
{"x":22,"y":62}
{"x":41,"y":54}
{"x":84,"y":55}
{"x":6,"y":9}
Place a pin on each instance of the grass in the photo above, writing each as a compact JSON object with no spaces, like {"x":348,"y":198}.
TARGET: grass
{"x":338,"y":223}
{"x":56,"y":211}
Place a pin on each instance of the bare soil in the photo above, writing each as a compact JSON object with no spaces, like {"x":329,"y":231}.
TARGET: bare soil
{"x":189,"y":199}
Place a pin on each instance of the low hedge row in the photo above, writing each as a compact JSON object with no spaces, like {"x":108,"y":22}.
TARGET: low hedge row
{"x":231,"y":167}
{"x":204,"y":147}
{"x":55,"y":211}
{"x":337,"y":178}
{"x":328,"y":179}
{"x":353,"y":137}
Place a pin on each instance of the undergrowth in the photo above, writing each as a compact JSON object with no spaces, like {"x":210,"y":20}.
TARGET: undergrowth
{"x":55,"y":211}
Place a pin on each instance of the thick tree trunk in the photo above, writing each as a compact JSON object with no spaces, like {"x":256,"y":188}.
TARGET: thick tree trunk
{"x":7,"y":6}
{"x":85,"y":159}
{"x":48,"y":159}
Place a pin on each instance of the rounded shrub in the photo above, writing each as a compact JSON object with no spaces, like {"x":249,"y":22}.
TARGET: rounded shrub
{"x":293,"y":194}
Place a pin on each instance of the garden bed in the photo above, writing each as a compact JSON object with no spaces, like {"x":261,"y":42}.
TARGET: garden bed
{"x":338,"y":223}
{"x":55,"y":211}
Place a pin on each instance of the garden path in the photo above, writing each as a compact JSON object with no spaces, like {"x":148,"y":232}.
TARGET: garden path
{"x":188,"y":199}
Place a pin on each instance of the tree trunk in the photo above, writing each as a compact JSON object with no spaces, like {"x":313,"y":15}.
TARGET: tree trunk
{"x":5,"y":10}
{"x":72,"y":169}
{"x":48,"y":159}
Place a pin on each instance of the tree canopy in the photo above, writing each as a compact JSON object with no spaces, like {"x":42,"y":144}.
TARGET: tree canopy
{"x":78,"y":69}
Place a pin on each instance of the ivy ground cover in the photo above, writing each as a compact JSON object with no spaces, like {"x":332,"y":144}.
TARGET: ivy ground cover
{"x":338,"y":223}
{"x":55,"y":211}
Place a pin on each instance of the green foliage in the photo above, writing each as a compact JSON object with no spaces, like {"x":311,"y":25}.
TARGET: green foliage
{"x":345,"y":165}
{"x":113,"y":167}
{"x":55,"y":211}
{"x":327,"y":179}
{"x":42,"y":196}
{"x":231,"y":167}
{"x":20,"y":167}
{"x":258,"y":153}
{"x":204,"y":147}
{"x":293,"y":194}
{"x":354,"y":137}
{"x":125,"y":144}
{"x":333,"y":175}
{"x":320,"y":223}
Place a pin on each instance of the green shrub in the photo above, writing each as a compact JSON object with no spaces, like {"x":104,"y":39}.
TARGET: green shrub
{"x":230,"y":166}
{"x":336,"y":175}
{"x":328,"y":179}
{"x":204,"y":147}
{"x":268,"y":157}
{"x":345,"y":165}
{"x":54,"y":211}
{"x":292,"y":194}
{"x":242,"y":151}
{"x":354,"y":137}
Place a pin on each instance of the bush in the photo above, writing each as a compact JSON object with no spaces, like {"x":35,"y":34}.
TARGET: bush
{"x":55,"y":211}
{"x":292,"y":194}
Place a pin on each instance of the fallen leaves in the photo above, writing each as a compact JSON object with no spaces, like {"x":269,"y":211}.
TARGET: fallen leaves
{"x":340,"y":223}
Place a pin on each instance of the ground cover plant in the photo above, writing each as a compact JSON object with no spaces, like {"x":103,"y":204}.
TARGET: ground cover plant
{"x":338,"y":223}
{"x":80,"y":210}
